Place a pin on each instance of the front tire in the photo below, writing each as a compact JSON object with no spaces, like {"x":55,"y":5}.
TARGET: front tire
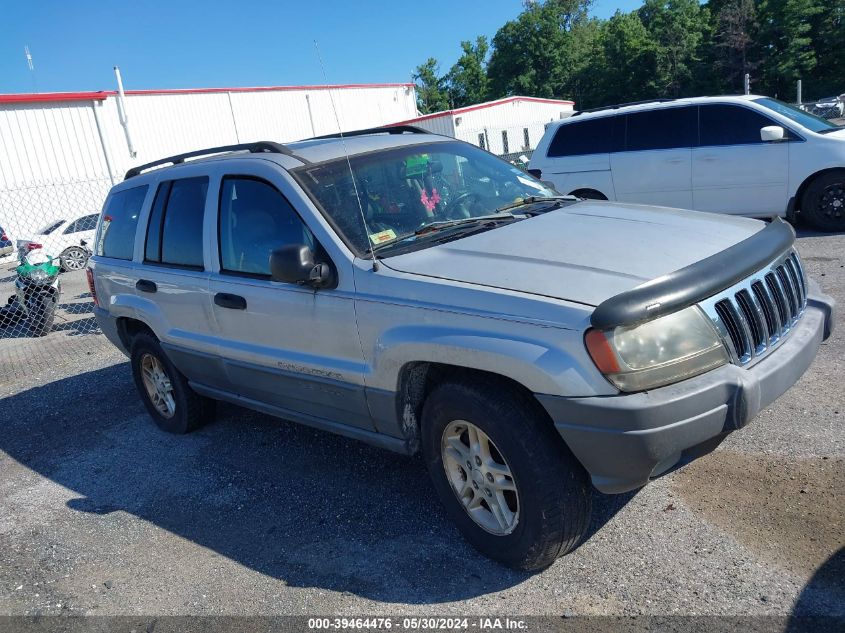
{"x":42,"y":314}
{"x":504,"y":475}
{"x":170,"y":401}
{"x":823,"y":203}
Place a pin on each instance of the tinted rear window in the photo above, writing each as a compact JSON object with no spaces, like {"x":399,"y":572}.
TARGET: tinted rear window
{"x":592,"y":136}
{"x":731,"y":125}
{"x":174,"y":233}
{"x":120,"y":219}
{"x":667,"y":128}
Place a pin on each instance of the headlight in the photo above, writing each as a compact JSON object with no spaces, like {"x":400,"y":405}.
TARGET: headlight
{"x":659,"y":352}
{"x":39,"y":275}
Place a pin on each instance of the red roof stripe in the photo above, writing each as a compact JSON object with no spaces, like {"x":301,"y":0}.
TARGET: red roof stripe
{"x":261,"y":89}
{"x":103,"y":94}
{"x":53,"y":96}
{"x":482,"y":106}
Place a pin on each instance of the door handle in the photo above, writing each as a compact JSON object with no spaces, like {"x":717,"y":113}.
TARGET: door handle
{"x":675,"y":161}
{"x":145,"y":285}
{"x":233,"y":302}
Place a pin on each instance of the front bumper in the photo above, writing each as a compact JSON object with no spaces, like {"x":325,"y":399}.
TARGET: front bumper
{"x":625,"y":440}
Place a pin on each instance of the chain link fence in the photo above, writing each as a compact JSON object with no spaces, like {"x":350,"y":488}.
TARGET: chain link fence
{"x":46,"y":310}
{"x":831,"y":109}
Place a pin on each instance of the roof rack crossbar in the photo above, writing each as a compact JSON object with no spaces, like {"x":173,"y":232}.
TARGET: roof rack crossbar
{"x":385,"y":129}
{"x":616,"y":106}
{"x":254,"y":148}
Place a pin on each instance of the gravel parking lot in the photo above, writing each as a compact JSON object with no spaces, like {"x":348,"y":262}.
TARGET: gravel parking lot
{"x":100,"y":513}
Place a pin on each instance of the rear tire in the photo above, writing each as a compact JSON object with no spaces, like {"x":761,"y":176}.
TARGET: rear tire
{"x":823,"y":204}
{"x":547,"y":493}
{"x":170,"y":401}
{"x":73,"y":258}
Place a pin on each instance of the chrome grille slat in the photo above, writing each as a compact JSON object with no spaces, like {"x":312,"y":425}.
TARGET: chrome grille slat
{"x":755,"y":315}
{"x":770,"y":311}
{"x":793,"y":276}
{"x":789,"y":292}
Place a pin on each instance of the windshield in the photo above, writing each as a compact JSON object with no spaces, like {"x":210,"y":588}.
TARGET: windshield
{"x":50,"y":227}
{"x":404,"y":190}
{"x":810,"y":121}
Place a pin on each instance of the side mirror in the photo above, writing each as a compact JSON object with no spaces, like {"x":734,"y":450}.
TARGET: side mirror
{"x":772,"y":133}
{"x":294,"y":264}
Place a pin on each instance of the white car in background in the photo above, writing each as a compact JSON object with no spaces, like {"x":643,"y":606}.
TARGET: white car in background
{"x":68,"y":239}
{"x":743,"y":155}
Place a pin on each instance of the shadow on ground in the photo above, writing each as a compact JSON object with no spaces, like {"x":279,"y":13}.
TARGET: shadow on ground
{"x":828,"y":582}
{"x":306,"y":507}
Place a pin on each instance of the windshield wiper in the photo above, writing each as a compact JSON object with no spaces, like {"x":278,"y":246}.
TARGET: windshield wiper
{"x":436,"y":227}
{"x":446,"y":224}
{"x":534,"y":200}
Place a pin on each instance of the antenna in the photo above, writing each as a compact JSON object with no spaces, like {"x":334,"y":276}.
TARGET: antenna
{"x":31,"y":66}
{"x":346,"y":153}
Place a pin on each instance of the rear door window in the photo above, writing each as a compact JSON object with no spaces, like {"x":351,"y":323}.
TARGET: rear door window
{"x":120,"y":219}
{"x":730,"y":125}
{"x":174,"y":232}
{"x":665,"y":128}
{"x":591,"y":136}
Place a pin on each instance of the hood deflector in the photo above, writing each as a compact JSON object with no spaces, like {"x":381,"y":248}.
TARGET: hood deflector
{"x":689,"y":285}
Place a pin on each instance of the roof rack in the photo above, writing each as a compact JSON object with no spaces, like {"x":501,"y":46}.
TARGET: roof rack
{"x":385,"y":129}
{"x":254,"y":148}
{"x":622,"y":105}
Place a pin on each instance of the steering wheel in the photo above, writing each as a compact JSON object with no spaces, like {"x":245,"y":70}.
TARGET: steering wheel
{"x":451,"y":210}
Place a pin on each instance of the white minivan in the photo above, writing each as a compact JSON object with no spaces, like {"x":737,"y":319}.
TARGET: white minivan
{"x":744,"y":155}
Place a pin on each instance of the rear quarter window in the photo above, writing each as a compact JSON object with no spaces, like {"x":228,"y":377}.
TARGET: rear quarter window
{"x":119,"y":221}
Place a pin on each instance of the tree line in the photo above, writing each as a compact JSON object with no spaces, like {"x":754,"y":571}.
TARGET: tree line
{"x":664,"y":49}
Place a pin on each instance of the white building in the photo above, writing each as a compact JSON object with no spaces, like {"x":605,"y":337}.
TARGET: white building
{"x":60,"y":152}
{"x":506,"y":126}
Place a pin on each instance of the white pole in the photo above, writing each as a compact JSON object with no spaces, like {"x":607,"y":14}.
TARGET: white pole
{"x":747,"y":84}
{"x":121,"y":113}
{"x":799,"y":91}
{"x":97,"y":105}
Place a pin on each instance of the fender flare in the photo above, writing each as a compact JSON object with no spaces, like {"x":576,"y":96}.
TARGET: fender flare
{"x":534,"y":364}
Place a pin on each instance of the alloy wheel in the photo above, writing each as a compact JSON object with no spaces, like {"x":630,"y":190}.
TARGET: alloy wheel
{"x":74,"y":259}
{"x":480,"y":477}
{"x":832,"y":201}
{"x":158,"y":385}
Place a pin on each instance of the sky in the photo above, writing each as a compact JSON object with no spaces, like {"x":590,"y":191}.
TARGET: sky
{"x":211,"y":43}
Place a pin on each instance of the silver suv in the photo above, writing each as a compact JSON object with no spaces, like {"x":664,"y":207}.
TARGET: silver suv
{"x":417,"y":293}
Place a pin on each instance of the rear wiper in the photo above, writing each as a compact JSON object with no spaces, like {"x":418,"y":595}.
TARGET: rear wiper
{"x":534,"y":200}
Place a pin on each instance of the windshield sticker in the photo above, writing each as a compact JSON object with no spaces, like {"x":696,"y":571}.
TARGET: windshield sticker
{"x":383,"y":236}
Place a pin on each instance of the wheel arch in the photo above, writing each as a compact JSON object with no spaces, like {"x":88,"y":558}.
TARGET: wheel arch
{"x":128,"y":328}
{"x":417,"y":379}
{"x":580,"y":193}
{"x":802,"y":188}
